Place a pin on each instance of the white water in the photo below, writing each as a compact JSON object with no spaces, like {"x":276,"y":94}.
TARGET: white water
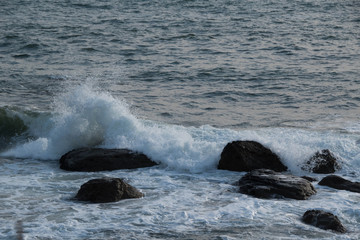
{"x":86,"y":117}
{"x":185,"y":197}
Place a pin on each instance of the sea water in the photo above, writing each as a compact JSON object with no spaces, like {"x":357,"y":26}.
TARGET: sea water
{"x":177,"y":81}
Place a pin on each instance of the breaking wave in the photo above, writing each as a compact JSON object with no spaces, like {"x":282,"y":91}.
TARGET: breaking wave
{"x":87,"y":117}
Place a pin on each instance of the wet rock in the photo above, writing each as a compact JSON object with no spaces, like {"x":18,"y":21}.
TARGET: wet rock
{"x":265,"y":183}
{"x":247,"y":156}
{"x":323,"y":220}
{"x":322,"y":162}
{"x":310,"y":179}
{"x":99,"y":159}
{"x":104,"y":190}
{"x":340,"y":183}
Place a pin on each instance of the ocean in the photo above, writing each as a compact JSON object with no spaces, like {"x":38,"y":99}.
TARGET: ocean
{"x":176,"y":80}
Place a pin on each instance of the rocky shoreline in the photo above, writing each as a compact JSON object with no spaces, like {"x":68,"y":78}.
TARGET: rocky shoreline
{"x":263,"y":180}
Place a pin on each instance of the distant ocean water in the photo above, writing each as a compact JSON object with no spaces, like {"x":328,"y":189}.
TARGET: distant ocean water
{"x":175,"y":80}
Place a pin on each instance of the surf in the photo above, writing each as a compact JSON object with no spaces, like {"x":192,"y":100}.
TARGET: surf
{"x":86,"y":116}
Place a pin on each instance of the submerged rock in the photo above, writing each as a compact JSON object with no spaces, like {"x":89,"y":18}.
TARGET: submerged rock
{"x":104,"y":190}
{"x":99,"y":159}
{"x":247,"y":156}
{"x":323,"y":220}
{"x":322,"y":162}
{"x":265,"y":183}
{"x":340,"y":183}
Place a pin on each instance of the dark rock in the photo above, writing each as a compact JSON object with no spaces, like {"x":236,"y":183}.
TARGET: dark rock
{"x":265,"y":183}
{"x":99,"y":159}
{"x":322,"y":162}
{"x":104,"y":190}
{"x":323,"y":220}
{"x":310,"y":179}
{"x":247,"y":156}
{"x":340,"y":183}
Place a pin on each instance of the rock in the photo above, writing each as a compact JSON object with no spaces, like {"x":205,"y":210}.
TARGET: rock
{"x":340,"y":183}
{"x":99,"y":159}
{"x":322,"y":162}
{"x":265,"y":183}
{"x":310,"y":179}
{"x":247,"y":156}
{"x":323,"y":220}
{"x":104,"y":190}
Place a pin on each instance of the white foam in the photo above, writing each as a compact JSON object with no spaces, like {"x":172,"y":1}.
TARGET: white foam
{"x":81,"y":117}
{"x":84,"y":116}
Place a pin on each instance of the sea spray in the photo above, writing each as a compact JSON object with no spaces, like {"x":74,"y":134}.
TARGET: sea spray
{"x":84,"y":116}
{"x":80,"y":118}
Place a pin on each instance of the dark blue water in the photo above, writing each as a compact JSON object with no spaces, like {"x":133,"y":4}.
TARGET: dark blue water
{"x":176,"y":80}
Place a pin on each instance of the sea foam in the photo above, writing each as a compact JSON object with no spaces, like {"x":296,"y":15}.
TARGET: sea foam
{"x":87,"y":117}
{"x":84,"y":117}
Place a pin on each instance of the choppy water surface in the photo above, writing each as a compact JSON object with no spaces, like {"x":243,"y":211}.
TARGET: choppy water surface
{"x":176,"y":80}
{"x":229,"y":63}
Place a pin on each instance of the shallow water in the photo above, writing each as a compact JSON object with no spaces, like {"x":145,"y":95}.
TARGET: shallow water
{"x":176,"y":206}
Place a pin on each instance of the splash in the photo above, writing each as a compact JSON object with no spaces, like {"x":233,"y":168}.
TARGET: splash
{"x":81,"y":117}
{"x":87,"y":117}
